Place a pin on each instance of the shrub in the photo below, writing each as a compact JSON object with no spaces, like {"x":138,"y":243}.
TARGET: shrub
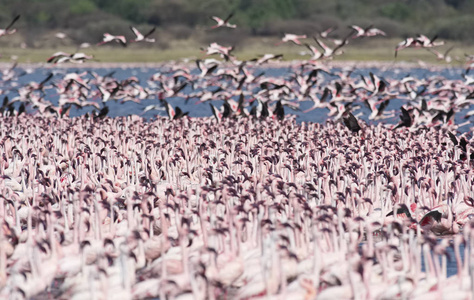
{"x":459,"y":28}
{"x":396,"y":11}
{"x":82,"y":7}
{"x":280,"y":27}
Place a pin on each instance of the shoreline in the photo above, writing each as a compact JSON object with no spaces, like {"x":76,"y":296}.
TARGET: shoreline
{"x":275,"y":64}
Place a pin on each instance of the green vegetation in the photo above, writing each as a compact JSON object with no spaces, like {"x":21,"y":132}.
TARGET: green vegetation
{"x":183,"y":26}
{"x":375,"y":50}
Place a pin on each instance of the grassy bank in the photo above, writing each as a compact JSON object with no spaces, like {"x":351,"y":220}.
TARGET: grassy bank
{"x":368,"y":50}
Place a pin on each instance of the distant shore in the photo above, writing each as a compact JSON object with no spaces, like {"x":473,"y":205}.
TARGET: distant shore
{"x":275,"y":64}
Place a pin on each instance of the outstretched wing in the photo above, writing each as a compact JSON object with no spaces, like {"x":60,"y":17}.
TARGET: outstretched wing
{"x":228,"y":17}
{"x":136,"y":32}
{"x":405,"y":117}
{"x":150,"y":32}
{"x":12,"y":22}
{"x":169,"y":110}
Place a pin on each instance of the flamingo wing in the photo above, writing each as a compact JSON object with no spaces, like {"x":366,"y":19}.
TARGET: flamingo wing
{"x":136,"y":32}
{"x":151,"y":31}
{"x":228,"y":17}
{"x":12,"y":22}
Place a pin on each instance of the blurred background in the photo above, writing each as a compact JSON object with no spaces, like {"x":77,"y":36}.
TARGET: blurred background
{"x":185,"y":24}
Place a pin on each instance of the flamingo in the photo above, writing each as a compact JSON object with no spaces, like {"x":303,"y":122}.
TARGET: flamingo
{"x":139,"y":37}
{"x":408,"y":42}
{"x":60,"y":35}
{"x":215,"y":48}
{"x":374,"y":32}
{"x":225,"y":112}
{"x":325,"y":33}
{"x":426,"y":42}
{"x":207,"y":66}
{"x":359,"y":31}
{"x":351,"y":122}
{"x":319,"y":102}
{"x":267,"y":57}
{"x":289,"y":37}
{"x":372,"y":104}
{"x":59,"y":57}
{"x":366,"y":32}
{"x":421,"y":41}
{"x":62,"y":57}
{"x":110,"y":38}
{"x":442,"y":56}
{"x":440,"y":220}
{"x":206,"y":209}
{"x":315,"y":53}
{"x":223,"y":23}
{"x":328,"y":52}
{"x":406,"y":119}
{"x":462,"y":143}
{"x":174,"y":113}
{"x":8,"y":30}
{"x":102,"y":113}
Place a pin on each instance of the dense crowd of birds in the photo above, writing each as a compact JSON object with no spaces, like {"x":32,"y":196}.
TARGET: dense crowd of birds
{"x":245,"y":90}
{"x":191,"y":208}
{"x":246,"y":204}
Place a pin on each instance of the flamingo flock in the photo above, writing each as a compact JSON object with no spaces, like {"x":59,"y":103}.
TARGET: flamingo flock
{"x":248,"y":203}
{"x":244,"y":208}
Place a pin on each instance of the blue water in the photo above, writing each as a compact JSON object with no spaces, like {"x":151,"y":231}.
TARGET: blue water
{"x":451,"y":260}
{"x":203,"y":109}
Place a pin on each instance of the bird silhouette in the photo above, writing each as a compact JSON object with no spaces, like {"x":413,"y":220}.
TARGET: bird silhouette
{"x":407,"y":121}
{"x":462,"y":143}
{"x":351,"y":122}
{"x":102,"y":113}
{"x":279,"y":111}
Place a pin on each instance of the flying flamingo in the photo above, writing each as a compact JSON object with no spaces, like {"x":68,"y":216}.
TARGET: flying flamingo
{"x":289,"y":37}
{"x":375,"y":32}
{"x":315,"y":53}
{"x":407,"y":43}
{"x":359,"y":31}
{"x":61,"y":57}
{"x":223,"y":23}
{"x":224,"y":112}
{"x":366,"y":32}
{"x":442,"y":56}
{"x":326,"y":32}
{"x":61,"y":35}
{"x":319,"y":102}
{"x":266,"y":57}
{"x":426,"y":42}
{"x":215,"y":48}
{"x":378,"y":113}
{"x":207,"y":66}
{"x":175,"y":113}
{"x":328,"y":52}
{"x":351,"y":122}
{"x":406,"y":119}
{"x":7,"y":30}
{"x":143,"y":37}
{"x":421,"y":41}
{"x":110,"y":38}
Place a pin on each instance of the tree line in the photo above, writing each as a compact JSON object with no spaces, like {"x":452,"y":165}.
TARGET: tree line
{"x":88,"y":19}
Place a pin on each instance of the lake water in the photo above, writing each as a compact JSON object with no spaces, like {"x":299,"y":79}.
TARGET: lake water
{"x":451,"y":260}
{"x":203,"y":109}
